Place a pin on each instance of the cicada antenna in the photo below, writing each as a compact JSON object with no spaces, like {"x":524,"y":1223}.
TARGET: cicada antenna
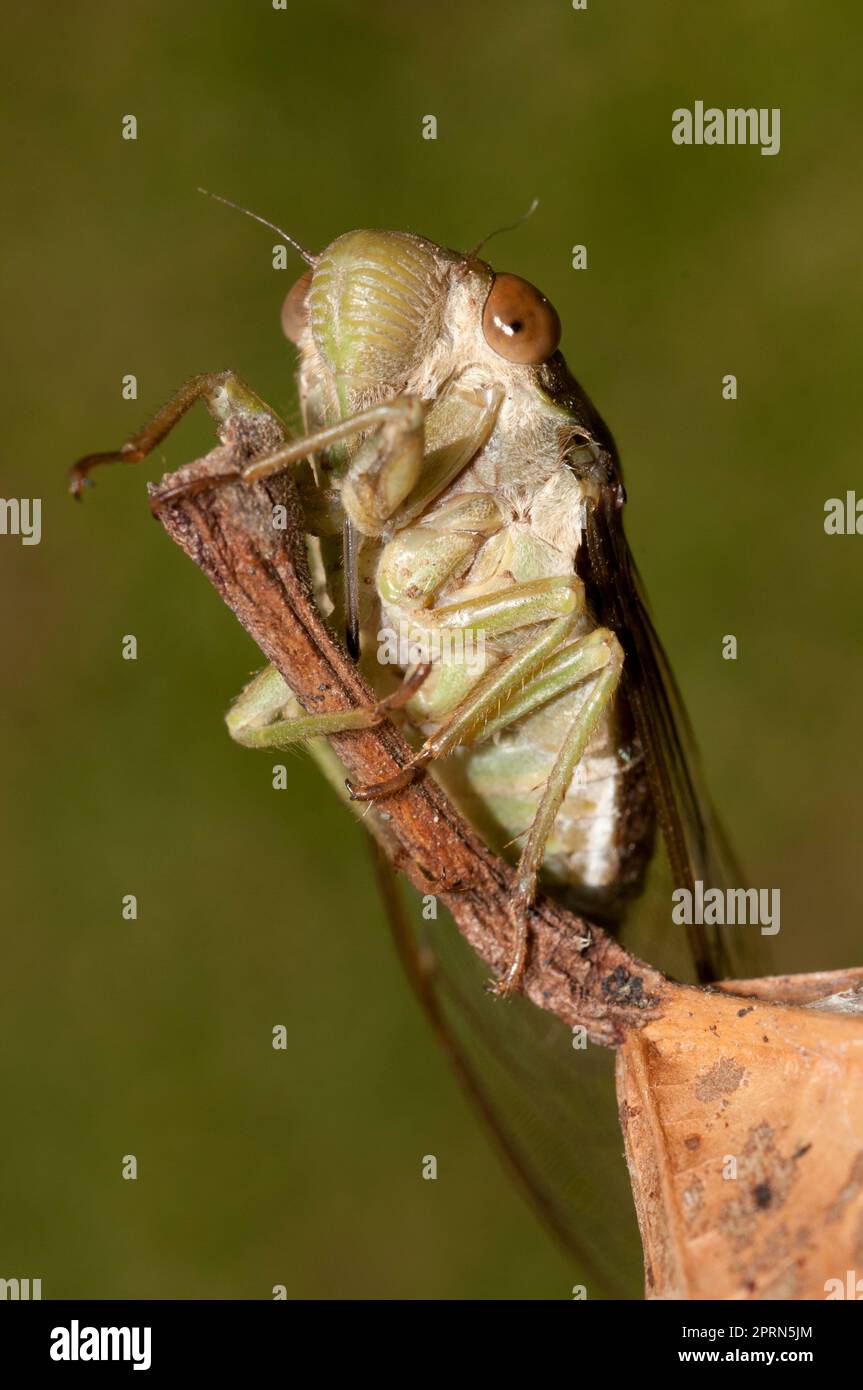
{"x":511,"y":228}
{"x":306,"y":255}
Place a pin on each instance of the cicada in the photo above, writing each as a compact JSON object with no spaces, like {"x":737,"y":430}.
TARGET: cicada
{"x":464,"y":508}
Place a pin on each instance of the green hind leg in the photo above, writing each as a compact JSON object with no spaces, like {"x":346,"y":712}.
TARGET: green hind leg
{"x":545,"y":666}
{"x":572,"y":750}
{"x":266,"y":714}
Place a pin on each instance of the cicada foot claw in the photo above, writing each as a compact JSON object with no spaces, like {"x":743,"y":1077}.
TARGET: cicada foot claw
{"x":78,"y":483}
{"x":498,"y":988}
{"x":442,"y":883}
{"x":510,"y":981}
{"x":189,"y":487}
{"x":79,"y":473}
{"x":376,"y":791}
{"x":507,"y":984}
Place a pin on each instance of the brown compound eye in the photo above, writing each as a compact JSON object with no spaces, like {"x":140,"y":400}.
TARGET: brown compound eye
{"x":295,"y":310}
{"x":518,"y":321}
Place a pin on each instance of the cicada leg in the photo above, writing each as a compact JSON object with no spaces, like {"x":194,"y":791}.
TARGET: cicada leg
{"x":597,"y":654}
{"x":557,"y":601}
{"x":542,"y":668}
{"x":415,"y":454}
{"x":254,"y":718}
{"x":411,"y":454}
{"x":568,"y":758}
{"x":224,"y":394}
{"x":399,"y":421}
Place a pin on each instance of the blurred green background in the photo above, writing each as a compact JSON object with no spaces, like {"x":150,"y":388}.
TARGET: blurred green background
{"x":255,"y":907}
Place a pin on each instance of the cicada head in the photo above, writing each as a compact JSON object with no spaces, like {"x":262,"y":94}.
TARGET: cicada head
{"x":379,"y":308}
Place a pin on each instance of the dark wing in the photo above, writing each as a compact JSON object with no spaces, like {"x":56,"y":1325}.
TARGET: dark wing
{"x":695,"y":843}
{"x":549,"y":1108}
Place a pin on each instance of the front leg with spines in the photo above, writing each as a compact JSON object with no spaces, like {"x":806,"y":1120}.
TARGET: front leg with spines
{"x":225,"y":395}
